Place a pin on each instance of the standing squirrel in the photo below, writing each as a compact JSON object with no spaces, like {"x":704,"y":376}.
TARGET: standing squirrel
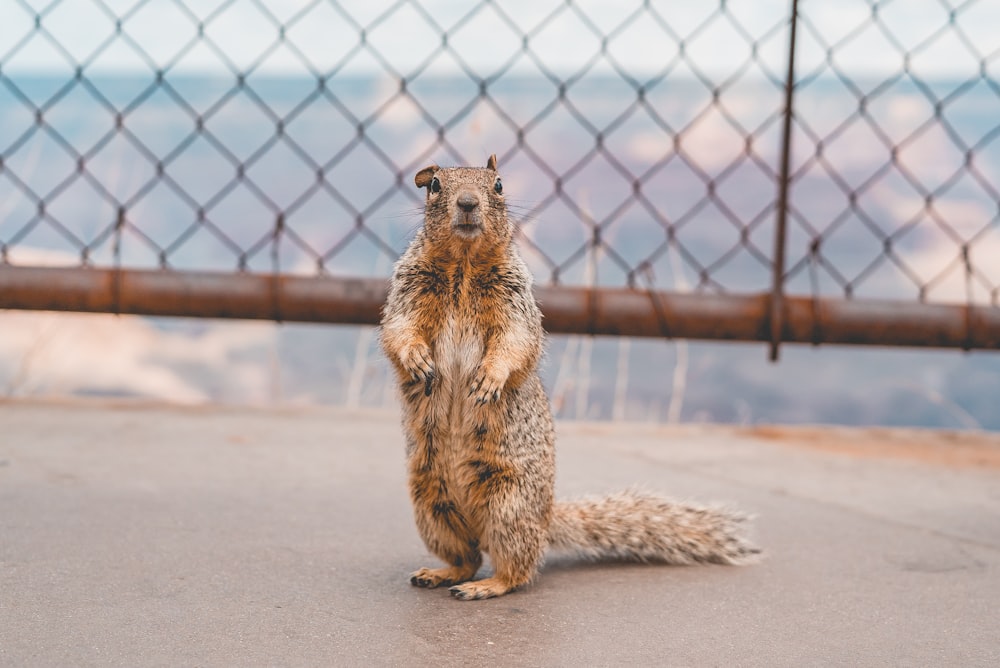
{"x":464,"y":334}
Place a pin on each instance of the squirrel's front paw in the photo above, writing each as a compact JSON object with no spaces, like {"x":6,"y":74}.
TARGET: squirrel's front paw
{"x":416,"y":359}
{"x":487,"y":386}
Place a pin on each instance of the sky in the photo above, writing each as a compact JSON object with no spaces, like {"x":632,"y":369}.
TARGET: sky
{"x":405,"y":36}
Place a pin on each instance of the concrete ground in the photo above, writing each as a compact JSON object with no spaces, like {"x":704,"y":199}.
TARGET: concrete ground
{"x":141,"y":535}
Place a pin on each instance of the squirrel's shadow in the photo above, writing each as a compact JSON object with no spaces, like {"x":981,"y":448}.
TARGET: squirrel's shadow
{"x":567,"y":562}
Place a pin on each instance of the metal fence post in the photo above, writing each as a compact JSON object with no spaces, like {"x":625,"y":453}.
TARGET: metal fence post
{"x":777,"y":286}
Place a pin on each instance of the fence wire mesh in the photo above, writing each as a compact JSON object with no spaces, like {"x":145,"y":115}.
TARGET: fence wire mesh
{"x":640,"y":141}
{"x":896,"y":184}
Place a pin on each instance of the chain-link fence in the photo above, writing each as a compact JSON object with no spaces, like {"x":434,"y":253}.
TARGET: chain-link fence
{"x":811,"y":171}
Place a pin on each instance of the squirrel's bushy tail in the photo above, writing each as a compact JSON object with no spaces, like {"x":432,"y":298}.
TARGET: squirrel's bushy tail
{"x":635,"y":526}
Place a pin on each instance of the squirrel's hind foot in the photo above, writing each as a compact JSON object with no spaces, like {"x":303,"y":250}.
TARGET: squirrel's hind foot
{"x":479,"y":589}
{"x":430,"y":578}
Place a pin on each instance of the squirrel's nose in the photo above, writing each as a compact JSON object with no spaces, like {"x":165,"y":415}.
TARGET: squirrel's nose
{"x":467,"y":201}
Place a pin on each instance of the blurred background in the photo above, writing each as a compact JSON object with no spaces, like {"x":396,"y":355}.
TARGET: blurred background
{"x":641,"y":146}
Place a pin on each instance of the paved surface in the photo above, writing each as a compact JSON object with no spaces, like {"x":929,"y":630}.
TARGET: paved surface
{"x":142,"y":535}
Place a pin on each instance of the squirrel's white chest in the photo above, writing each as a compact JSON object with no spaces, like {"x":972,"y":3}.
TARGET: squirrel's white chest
{"x":458,"y":353}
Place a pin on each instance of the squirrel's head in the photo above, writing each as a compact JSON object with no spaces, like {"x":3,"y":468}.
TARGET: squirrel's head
{"x":465,"y":203}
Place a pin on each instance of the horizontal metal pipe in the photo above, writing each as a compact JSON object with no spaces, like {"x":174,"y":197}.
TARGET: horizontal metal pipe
{"x":193,"y":294}
{"x":568,"y":310}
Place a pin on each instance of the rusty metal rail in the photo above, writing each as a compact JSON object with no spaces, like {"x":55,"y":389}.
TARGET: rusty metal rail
{"x":567,"y":310}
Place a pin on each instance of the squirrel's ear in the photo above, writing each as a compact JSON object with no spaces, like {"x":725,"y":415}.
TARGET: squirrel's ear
{"x":424,"y":176}
{"x":492,"y":162}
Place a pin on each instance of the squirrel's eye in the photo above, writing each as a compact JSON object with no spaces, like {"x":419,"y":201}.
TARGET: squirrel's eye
{"x":497,"y":186}
{"x":435,"y":185}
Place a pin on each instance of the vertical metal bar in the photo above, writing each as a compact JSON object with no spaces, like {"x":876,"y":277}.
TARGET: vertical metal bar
{"x":117,"y":258}
{"x":276,"y":292}
{"x":781,"y":224}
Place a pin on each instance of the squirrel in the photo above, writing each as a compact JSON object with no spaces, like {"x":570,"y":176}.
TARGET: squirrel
{"x":464,"y":335}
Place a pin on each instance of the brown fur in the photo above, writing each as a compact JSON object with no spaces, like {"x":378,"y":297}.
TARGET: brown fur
{"x":464,"y":335}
